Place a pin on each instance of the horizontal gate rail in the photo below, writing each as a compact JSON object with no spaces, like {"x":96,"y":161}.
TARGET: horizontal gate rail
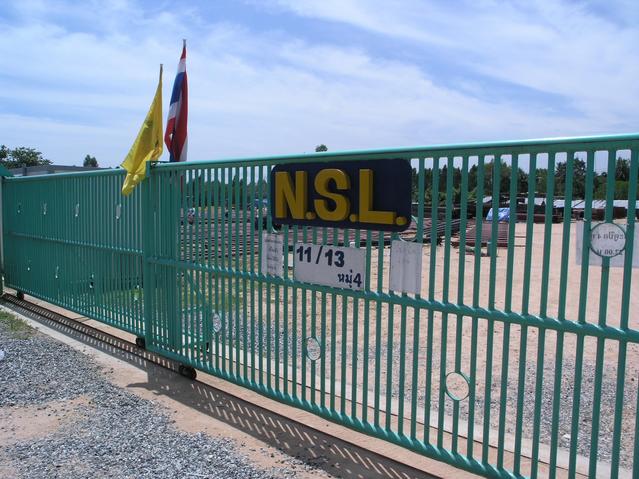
{"x":584,"y":329}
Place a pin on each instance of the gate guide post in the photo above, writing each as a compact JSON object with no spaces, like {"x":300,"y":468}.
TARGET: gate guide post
{"x":148,"y":280}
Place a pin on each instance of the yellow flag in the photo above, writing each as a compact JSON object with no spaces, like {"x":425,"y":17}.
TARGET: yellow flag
{"x":147,"y":146}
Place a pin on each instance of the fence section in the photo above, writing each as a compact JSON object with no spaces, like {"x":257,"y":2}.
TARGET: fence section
{"x":75,"y":241}
{"x":516,"y":357}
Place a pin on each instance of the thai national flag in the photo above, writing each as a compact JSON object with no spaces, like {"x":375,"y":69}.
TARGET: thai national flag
{"x":175,"y":134}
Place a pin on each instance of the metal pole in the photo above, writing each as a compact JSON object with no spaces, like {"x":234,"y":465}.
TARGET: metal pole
{"x":1,"y":235}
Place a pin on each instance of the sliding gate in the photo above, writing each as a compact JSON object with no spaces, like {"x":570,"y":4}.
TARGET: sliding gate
{"x":506,"y":346}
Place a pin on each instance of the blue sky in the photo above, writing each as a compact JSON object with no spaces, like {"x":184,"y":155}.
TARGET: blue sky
{"x":281,"y":76}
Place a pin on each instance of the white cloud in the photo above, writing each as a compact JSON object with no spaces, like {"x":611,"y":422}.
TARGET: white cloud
{"x":552,"y":46}
{"x":71,"y":91}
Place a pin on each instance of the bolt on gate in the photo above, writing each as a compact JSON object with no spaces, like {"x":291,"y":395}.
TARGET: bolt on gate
{"x":514,"y":352}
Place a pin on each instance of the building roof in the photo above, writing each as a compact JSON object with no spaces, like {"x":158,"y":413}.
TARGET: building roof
{"x":49,"y":169}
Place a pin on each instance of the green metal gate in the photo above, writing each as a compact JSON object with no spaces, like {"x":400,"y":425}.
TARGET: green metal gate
{"x":519,"y":356}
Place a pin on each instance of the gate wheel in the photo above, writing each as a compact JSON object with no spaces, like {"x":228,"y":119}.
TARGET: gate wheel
{"x":140,"y":342}
{"x":187,"y":371}
{"x":20,"y":295}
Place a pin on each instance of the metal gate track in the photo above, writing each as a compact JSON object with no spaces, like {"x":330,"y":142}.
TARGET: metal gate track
{"x":56,"y":320}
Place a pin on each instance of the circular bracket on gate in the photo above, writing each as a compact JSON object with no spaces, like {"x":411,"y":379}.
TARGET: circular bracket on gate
{"x":313,"y":349}
{"x":457,"y":385}
{"x":607,"y":240}
{"x":216,"y":319}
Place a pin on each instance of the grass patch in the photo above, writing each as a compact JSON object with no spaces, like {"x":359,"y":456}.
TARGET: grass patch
{"x":16,"y":327}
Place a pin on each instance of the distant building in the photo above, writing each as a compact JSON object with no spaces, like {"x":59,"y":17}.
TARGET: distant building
{"x":49,"y":169}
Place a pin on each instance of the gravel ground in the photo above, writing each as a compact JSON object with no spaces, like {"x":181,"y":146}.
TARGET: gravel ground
{"x":115,"y":434}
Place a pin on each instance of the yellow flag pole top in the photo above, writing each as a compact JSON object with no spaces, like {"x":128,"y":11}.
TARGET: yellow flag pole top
{"x":148,"y":144}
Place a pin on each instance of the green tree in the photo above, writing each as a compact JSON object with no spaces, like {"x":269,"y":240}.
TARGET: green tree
{"x":542,"y":181}
{"x":320,"y":148}
{"x":4,"y":154}
{"x":21,"y":156}
{"x":578,"y":178}
{"x":622,"y":170}
{"x":90,"y":161}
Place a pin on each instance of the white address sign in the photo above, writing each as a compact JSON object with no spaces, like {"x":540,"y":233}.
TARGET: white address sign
{"x":330,"y":265}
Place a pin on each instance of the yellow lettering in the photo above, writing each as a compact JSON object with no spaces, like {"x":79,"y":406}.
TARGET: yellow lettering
{"x":366,"y":212}
{"x":285,"y":199}
{"x":342,"y":204}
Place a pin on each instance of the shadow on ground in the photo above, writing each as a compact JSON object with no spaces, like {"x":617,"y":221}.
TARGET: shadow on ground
{"x":321,"y":451}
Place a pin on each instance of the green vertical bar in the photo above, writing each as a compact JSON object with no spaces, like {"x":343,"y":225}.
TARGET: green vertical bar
{"x":238,"y":244}
{"x":255,"y":217}
{"x":333,"y":351}
{"x":260,"y":296}
{"x":203,"y":313}
{"x":378,"y":326}
{"x":605,"y":267}
{"x":313,"y":333}
{"x":343,"y":356}
{"x":625,"y":309}
{"x":193,"y":274}
{"x":225,"y":248}
{"x":216,"y":263}
{"x":479,"y":213}
{"x":231,"y":250}
{"x":276,"y":336}
{"x":333,"y":337}
{"x":431,"y":293}
{"x":266,"y":301}
{"x":543,"y":310}
{"x":209,"y":304}
{"x":285,"y":293}
{"x":245,"y":257}
{"x":322,"y":342}
{"x":323,"y":337}
{"x":494,"y":237}
{"x":189,"y":281}
{"x":369,"y":242}
{"x":294,"y":359}
{"x":402,"y":369}
{"x":583,"y":298}
{"x":355,"y":341}
{"x":147,"y":202}
{"x":305,"y":336}
{"x":603,"y":309}
{"x":443,"y":363}
{"x":561,"y":312}
{"x":416,"y":325}
{"x":389,"y":366}
{"x":463,"y":217}
{"x":503,"y":395}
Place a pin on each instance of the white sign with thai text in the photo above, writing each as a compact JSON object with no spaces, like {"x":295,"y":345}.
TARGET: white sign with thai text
{"x":330,"y":265}
{"x":406,"y":267}
{"x":607,"y":240}
{"x":273,"y":254}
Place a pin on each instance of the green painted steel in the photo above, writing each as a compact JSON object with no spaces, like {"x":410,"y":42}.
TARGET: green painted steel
{"x":75,"y":241}
{"x":512,"y":361}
